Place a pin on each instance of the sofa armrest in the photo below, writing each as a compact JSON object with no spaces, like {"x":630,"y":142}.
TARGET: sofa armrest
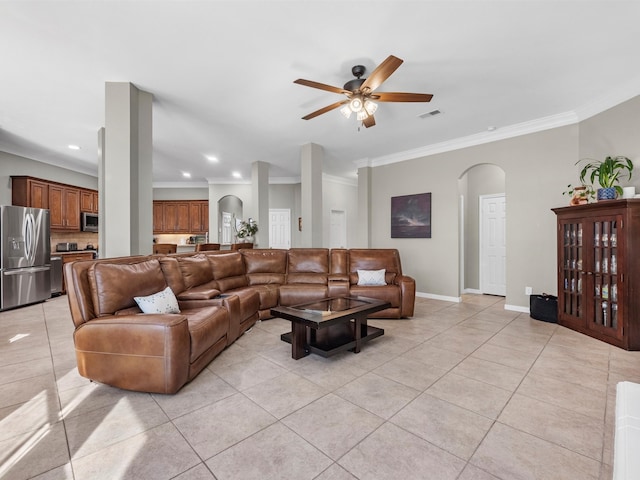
{"x":198,"y":294}
{"x":135,"y":352}
{"x":408,"y":292}
{"x":338,"y":277}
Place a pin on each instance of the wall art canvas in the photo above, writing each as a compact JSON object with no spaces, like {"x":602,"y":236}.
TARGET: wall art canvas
{"x":411,"y":216}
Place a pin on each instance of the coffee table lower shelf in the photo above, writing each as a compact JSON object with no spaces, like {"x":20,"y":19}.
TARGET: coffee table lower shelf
{"x":335,"y":339}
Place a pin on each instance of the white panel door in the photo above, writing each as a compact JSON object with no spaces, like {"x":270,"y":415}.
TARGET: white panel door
{"x":493,"y":248}
{"x":279,"y":228}
{"x":338,"y":229}
{"x":227,"y":230}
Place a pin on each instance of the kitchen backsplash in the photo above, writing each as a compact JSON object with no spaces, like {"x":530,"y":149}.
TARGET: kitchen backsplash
{"x":81,"y":238}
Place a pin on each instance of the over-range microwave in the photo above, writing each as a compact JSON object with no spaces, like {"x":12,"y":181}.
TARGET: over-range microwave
{"x":89,"y":222}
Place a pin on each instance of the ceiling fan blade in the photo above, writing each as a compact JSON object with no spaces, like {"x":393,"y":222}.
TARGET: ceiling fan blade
{"x":401,"y":97}
{"x":321,"y":86}
{"x":369,"y":121}
{"x":326,"y":109}
{"x":381,"y":73}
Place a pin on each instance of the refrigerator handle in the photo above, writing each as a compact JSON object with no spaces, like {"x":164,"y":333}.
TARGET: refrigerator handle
{"x":28,"y":236}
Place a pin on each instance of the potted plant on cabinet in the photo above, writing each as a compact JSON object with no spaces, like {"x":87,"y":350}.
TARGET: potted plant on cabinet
{"x":580,"y":194}
{"x":247,"y":230}
{"x":608,"y":173}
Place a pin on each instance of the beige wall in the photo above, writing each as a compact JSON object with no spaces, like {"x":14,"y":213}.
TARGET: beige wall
{"x":15,"y":165}
{"x":536,"y":167}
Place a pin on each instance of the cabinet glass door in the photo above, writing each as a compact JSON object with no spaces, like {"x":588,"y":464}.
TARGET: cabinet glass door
{"x":608,"y":277}
{"x":572,"y":271}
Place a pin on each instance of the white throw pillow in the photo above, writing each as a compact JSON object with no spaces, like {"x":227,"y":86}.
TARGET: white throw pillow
{"x":371,"y":277}
{"x":161,"y":302}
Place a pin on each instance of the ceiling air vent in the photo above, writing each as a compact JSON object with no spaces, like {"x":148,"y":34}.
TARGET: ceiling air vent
{"x":430,"y":114}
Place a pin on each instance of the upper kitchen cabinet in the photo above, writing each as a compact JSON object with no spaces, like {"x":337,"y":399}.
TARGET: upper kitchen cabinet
{"x":180,"y":216}
{"x":89,"y":201}
{"x":199,"y":216}
{"x":64,"y":208}
{"x":65,"y":202}
{"x":29,"y":192}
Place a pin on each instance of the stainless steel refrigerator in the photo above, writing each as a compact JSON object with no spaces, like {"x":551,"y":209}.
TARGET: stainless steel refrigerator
{"x":25,"y":256}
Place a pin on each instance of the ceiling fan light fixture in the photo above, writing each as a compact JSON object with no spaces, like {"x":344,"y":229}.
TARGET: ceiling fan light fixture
{"x":370,"y":107}
{"x":346,"y":111}
{"x":356,"y":104}
{"x":361,"y":115}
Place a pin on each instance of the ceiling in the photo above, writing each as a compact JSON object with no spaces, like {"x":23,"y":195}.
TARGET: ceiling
{"x":221,"y":74}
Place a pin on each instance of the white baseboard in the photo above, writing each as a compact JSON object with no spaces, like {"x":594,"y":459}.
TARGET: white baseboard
{"x":474,"y":291}
{"x":444,"y":298}
{"x":517,"y":308}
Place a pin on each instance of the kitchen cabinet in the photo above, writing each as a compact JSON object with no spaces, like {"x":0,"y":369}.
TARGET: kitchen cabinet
{"x":65,"y":202}
{"x":68,"y":257}
{"x":89,"y":201}
{"x":29,"y":192}
{"x":64,"y":208}
{"x":199,"y":217}
{"x":598,"y":272}
{"x":180,"y":216}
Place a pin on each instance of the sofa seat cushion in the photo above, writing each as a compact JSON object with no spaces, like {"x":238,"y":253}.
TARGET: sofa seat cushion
{"x":388,"y":293}
{"x":269,"y":295}
{"x":207,"y":325}
{"x":113,"y":285}
{"x":302,"y":293}
{"x":249,"y":301}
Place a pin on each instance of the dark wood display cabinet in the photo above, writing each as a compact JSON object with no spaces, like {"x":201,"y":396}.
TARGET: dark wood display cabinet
{"x":599,"y":270}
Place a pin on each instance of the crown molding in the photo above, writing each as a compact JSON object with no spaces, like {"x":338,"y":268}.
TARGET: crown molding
{"x":180,"y":185}
{"x":502,"y":133}
{"x":628,"y":90}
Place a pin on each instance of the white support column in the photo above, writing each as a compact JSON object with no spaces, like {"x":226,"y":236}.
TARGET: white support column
{"x":364,"y":207}
{"x":126,"y":184}
{"x":260,"y":200}
{"x":311,"y":175}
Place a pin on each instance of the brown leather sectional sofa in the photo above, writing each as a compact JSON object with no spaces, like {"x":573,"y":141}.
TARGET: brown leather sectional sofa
{"x":220,"y":295}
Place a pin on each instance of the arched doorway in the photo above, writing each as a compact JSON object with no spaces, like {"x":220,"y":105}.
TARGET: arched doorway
{"x":482,"y":230}
{"x":229,"y":208}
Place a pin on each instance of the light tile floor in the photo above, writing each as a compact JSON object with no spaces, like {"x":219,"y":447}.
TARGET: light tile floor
{"x":461,"y":391}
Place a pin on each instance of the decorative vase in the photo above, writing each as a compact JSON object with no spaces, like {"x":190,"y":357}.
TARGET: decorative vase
{"x":248,"y":239}
{"x":608,"y":193}
{"x":579,"y":196}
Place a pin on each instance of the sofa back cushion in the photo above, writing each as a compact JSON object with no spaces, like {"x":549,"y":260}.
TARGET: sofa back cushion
{"x":339,"y":261}
{"x":228,"y":270}
{"x":374,"y":259}
{"x":172,"y":273}
{"x":265,"y":266}
{"x":113,"y":285}
{"x":308,"y":260}
{"x":196,"y":270}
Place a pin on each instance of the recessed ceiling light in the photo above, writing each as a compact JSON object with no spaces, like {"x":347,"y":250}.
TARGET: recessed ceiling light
{"x":186,"y":174}
{"x":236,"y":174}
{"x":73,"y":147}
{"x":211,"y":158}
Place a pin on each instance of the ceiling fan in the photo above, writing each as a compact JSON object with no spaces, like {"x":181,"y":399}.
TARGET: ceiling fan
{"x":360,"y":92}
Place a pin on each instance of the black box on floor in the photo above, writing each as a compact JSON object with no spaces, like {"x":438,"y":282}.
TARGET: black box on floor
{"x":544,"y":307}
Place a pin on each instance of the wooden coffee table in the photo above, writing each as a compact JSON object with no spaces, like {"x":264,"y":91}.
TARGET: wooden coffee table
{"x":329,"y":326}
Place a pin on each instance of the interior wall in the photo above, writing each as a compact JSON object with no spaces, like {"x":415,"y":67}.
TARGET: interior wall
{"x":339,"y":196}
{"x":15,"y":165}
{"x":181,"y":193}
{"x":479,"y":180}
{"x":610,"y":133}
{"x":287,"y":196}
{"x":536,"y":167}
